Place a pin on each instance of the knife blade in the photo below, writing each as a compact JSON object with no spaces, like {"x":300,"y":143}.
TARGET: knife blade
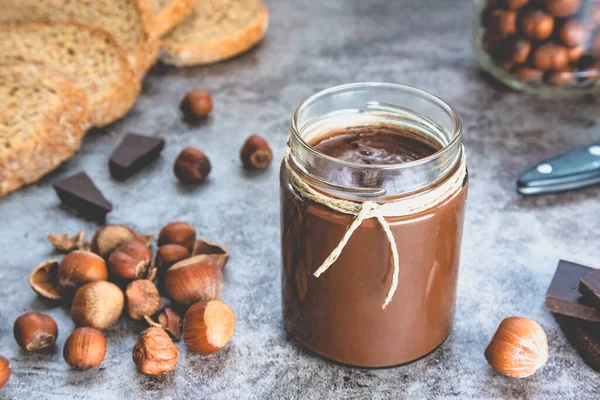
{"x":573,"y":170}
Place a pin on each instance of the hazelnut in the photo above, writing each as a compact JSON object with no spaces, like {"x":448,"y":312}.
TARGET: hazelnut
{"x":197,"y":278}
{"x":169,"y":254}
{"x":485,"y":18}
{"x":518,"y":49}
{"x":516,"y":4}
{"x":97,"y":305}
{"x":196,"y":104}
{"x":208,"y":326}
{"x":256,"y":153}
{"x":78,"y":268}
{"x":66,"y":244}
{"x":109,"y":237}
{"x":492,"y":42}
{"x":130,"y":260}
{"x":575,"y":53}
{"x":561,"y":78}
{"x":34,"y":331}
{"x":155,"y":353}
{"x":595,"y":46}
{"x":551,"y":56}
{"x":518,"y":348}
{"x":573,"y":33}
{"x":142,"y":299}
{"x":5,"y":369}
{"x":85,"y":348}
{"x":192,"y":166}
{"x":218,"y":252}
{"x":168,"y":320}
{"x":178,"y":233}
{"x":44,"y":280}
{"x":504,"y":21}
{"x":529,"y":75}
{"x":537,"y":25}
{"x":562,"y":8}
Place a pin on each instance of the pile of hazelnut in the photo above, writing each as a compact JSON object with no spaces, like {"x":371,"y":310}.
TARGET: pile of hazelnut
{"x":556,"y":42}
{"x":116,"y":272}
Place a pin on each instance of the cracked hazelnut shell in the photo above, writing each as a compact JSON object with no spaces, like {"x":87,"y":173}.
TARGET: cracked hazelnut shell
{"x":518,"y":348}
{"x":178,"y":232}
{"x":78,"y":268}
{"x":5,"y":370}
{"x":66,"y":244}
{"x":130,"y":260}
{"x":194,"y":279}
{"x":208,"y":326}
{"x":97,"y":305}
{"x":155,"y":353}
{"x":107,"y":238}
{"x":142,"y":298}
{"x":44,"y":280}
{"x":35,"y":331}
{"x":85,"y":348}
{"x":168,"y":320}
{"x":215,"y":250}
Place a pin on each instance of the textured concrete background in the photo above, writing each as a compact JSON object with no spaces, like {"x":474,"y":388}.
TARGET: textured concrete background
{"x":511,"y":244}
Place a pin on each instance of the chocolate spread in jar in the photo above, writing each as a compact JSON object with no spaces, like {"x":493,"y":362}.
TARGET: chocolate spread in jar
{"x":339,"y":315}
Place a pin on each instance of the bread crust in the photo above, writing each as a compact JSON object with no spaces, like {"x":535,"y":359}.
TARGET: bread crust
{"x":57,"y":136}
{"x":218,"y":49}
{"x":170,"y":16}
{"x":113,"y":102}
{"x":147,"y":51}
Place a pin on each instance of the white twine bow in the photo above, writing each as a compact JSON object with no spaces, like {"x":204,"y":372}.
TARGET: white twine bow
{"x":370,"y":209}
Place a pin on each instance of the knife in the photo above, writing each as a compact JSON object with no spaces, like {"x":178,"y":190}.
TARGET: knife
{"x":573,"y":170}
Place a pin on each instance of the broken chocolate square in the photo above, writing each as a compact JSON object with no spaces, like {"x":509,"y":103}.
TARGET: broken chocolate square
{"x":589,"y":287}
{"x":134,"y":153}
{"x":563,"y":296}
{"x":584,"y":336}
{"x":79,"y":193}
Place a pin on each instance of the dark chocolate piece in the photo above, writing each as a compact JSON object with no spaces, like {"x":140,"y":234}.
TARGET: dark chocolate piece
{"x":134,"y":153}
{"x":563,"y":296}
{"x":584,"y":336}
{"x":80,"y":193}
{"x":589,"y":287}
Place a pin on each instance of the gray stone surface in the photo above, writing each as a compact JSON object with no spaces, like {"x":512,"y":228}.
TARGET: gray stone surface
{"x":511,"y":244}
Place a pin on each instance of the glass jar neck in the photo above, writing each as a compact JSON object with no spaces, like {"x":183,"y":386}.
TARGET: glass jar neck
{"x":413,"y":112}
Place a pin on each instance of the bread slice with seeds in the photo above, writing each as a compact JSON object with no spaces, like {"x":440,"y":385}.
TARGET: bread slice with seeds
{"x":85,"y":54}
{"x":130,"y":22}
{"x":214,"y":31}
{"x":43,"y":119}
{"x":169,"y":13}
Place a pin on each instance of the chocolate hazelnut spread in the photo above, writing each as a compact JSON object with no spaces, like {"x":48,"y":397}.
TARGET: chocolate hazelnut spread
{"x":339,"y":315}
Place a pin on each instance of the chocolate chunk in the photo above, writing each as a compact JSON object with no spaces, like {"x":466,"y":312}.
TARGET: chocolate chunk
{"x":134,"y":153}
{"x":563,"y":297}
{"x":584,"y":336}
{"x":80,"y":193}
{"x":589,"y":287}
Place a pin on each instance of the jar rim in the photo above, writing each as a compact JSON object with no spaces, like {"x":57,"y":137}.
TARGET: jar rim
{"x":443,"y":105}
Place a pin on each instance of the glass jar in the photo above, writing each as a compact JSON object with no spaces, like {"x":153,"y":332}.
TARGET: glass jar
{"x":340,"y":314}
{"x":542,"y":46}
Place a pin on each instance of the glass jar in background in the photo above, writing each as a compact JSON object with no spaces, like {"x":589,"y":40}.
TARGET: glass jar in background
{"x":542,"y":46}
{"x":339,"y":314}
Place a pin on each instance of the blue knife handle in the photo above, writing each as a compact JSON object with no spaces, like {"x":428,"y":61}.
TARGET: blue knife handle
{"x":573,"y":170}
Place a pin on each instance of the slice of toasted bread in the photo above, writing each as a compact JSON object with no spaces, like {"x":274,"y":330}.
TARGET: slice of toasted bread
{"x":130,"y":22}
{"x":169,"y":13}
{"x":42,"y":121}
{"x":214,"y":31}
{"x":87,"y":55}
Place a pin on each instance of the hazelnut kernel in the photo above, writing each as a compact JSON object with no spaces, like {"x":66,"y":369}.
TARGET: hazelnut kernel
{"x":78,"y":268}
{"x":518,"y":50}
{"x":561,"y":78}
{"x":551,"y":56}
{"x":34,"y":331}
{"x":573,"y":33}
{"x":142,"y":299}
{"x":562,"y":8}
{"x":97,"y":305}
{"x":180,"y":233}
{"x":208,"y":326}
{"x":516,"y":4}
{"x":85,"y":348}
{"x":529,"y":75}
{"x":519,"y":348}
{"x":192,"y":166}
{"x":537,"y":24}
{"x":196,"y":104}
{"x":256,"y":153}
{"x":155,"y":353}
{"x":130,"y":260}
{"x":504,"y":21}
{"x":5,"y":369}
{"x":194,"y":279}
